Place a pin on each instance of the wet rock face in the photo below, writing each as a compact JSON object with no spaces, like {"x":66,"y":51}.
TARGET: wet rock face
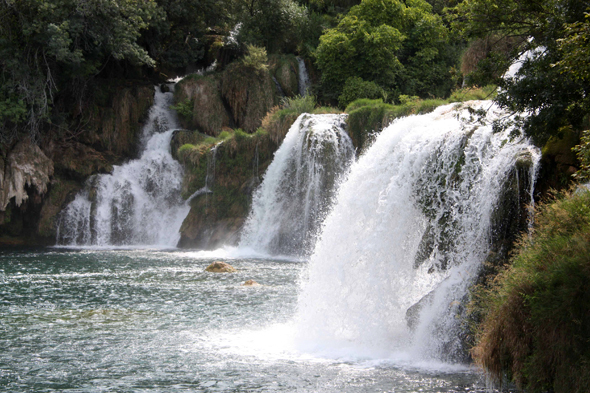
{"x":202,"y":94}
{"x":249,"y":95}
{"x":114,"y":121}
{"x":25,"y":166}
{"x":286,"y":75}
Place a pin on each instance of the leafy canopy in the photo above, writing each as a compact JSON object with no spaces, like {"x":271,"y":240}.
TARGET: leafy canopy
{"x":392,"y":43}
{"x":549,"y":84}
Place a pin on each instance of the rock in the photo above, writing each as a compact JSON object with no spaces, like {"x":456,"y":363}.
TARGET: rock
{"x":25,"y":166}
{"x":249,"y":95}
{"x":208,"y":111}
{"x":251,"y":283}
{"x":220,"y":267}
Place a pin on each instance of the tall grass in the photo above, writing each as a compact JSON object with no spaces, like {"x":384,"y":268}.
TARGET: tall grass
{"x":536,"y":329}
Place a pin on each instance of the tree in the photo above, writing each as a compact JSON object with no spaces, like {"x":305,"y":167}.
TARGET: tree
{"x":54,"y":46}
{"x":273,"y":24}
{"x":392,"y":43}
{"x":553,"y":96}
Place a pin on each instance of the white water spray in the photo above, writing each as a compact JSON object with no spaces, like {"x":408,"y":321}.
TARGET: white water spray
{"x":411,"y":226}
{"x":139,"y":203}
{"x":298,"y":186}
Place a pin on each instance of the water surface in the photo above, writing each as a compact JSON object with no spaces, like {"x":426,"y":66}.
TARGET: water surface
{"x":153,"y":320}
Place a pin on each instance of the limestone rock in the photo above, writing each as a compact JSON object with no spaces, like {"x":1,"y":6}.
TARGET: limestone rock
{"x":26,"y":165}
{"x":208,"y":111}
{"x":249,"y":95}
{"x":251,"y":283}
{"x":220,"y":267}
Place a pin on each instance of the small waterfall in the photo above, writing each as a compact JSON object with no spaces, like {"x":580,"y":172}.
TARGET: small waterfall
{"x":409,"y":231}
{"x":139,"y":203}
{"x":303,"y":78}
{"x":298,"y":186}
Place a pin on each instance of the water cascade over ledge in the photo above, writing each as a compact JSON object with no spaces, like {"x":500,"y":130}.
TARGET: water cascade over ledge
{"x":408,"y":234}
{"x":298,"y":186}
{"x":139,"y":203}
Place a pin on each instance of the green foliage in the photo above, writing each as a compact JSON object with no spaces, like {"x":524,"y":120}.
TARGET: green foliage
{"x":240,"y":135}
{"x":367,"y":117}
{"x":178,"y":40}
{"x":256,"y":58}
{"x":583,"y":154}
{"x":548,"y":85}
{"x":50,"y":49}
{"x":537,"y":326}
{"x":400,"y":46}
{"x":185,"y":148}
{"x":279,"y":119}
{"x":356,"y":88}
{"x":299,"y":104}
{"x":472,"y":93}
{"x":272,"y":24}
{"x":184,"y":108}
{"x":224,"y":135}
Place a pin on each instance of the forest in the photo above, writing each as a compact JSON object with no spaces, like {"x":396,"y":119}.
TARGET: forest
{"x":60,"y":59}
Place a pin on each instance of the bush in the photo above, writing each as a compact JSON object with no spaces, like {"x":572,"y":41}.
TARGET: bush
{"x":355,"y":88}
{"x":184,"y":108}
{"x":299,"y":104}
{"x":256,"y":58}
{"x":536,"y":329}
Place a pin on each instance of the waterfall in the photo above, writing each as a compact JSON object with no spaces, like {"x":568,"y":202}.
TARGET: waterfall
{"x":139,"y":203}
{"x":298,"y":186}
{"x":407,"y":236}
{"x":303,"y":78}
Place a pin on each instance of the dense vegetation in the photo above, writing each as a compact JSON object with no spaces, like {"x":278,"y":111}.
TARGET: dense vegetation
{"x":537,"y":326}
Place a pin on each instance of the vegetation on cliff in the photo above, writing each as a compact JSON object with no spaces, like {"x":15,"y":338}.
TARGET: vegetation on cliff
{"x":536,"y":329}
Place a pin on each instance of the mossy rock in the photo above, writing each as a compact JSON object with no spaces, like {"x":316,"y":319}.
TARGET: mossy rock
{"x":216,"y":217}
{"x":207,"y":111}
{"x":249,"y":94}
{"x":286,"y":71}
{"x":114,"y":119}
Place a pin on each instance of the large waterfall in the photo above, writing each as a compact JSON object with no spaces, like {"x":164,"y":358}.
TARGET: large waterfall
{"x":139,"y":202}
{"x":409,"y":231}
{"x":298,"y":186}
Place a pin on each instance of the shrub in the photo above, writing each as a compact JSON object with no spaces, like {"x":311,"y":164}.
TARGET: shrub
{"x":355,"y":88}
{"x":536,"y":329}
{"x":256,"y":58}
{"x":184,"y":108}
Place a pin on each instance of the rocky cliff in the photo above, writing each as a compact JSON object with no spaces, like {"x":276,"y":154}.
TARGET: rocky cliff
{"x":36,"y":180}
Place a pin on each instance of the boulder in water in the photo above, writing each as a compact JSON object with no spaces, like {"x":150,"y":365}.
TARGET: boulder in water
{"x":251,"y":283}
{"x":220,"y":267}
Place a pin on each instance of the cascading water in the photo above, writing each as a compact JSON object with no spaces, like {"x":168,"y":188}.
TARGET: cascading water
{"x":303,"y":78}
{"x":298,"y":186}
{"x":139,"y":203}
{"x":409,"y":231}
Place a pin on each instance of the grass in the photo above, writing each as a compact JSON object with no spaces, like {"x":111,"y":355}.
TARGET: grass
{"x":536,"y":329}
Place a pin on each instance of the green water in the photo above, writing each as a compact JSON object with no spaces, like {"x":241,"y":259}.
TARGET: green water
{"x":148,"y":320}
